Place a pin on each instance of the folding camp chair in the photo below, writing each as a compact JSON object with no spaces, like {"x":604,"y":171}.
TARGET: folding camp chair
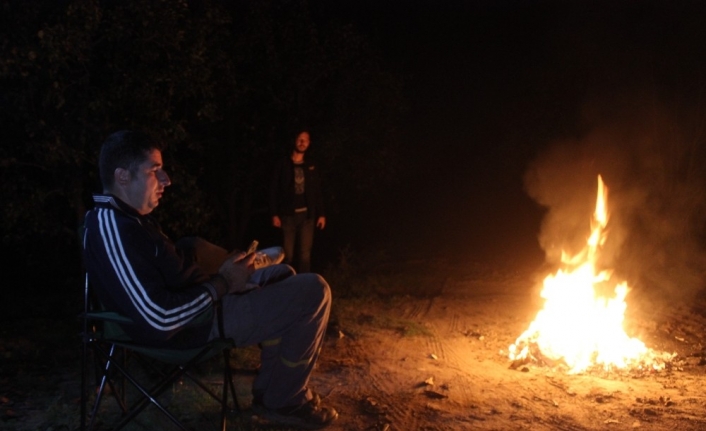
{"x":114,"y":356}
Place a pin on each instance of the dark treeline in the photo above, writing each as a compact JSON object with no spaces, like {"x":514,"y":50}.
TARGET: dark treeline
{"x":224,"y":84}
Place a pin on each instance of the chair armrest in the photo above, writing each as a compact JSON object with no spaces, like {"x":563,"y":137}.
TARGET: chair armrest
{"x":110,"y":323}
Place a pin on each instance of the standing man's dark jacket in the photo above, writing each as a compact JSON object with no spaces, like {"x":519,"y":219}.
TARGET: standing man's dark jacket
{"x":282,"y":189}
{"x":138,"y":272}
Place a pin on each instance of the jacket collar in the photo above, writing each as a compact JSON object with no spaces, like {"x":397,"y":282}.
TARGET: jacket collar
{"x":111,"y":201}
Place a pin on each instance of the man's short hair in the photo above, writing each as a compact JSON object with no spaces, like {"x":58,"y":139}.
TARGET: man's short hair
{"x":124,"y":149}
{"x":294,"y":134}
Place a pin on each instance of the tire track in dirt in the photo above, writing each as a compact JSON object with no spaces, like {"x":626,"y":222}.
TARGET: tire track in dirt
{"x":455,"y":378}
{"x":436,"y":349}
{"x":432,"y":358}
{"x":391,"y":379}
{"x":417,"y":309}
{"x":370,"y":393}
{"x":393,"y":403}
{"x":447,"y":322}
{"x":454,"y":323}
{"x":383,"y":382}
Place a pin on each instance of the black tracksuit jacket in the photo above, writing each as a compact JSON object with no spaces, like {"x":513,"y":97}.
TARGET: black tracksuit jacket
{"x":137,"y":271}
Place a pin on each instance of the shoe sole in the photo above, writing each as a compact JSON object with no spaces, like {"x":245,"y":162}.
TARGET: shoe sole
{"x":270,"y":256}
{"x":272,"y":416}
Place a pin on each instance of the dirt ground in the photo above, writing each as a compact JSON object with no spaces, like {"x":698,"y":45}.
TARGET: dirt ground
{"x":434,"y":362}
{"x":458,"y":377}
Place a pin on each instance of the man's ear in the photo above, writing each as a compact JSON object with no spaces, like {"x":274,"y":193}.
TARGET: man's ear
{"x":122,"y":176}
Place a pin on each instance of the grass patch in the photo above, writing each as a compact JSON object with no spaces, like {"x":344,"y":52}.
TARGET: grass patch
{"x":245,"y":359}
{"x":374,"y":283}
{"x":356,"y":316}
{"x":375,"y":275}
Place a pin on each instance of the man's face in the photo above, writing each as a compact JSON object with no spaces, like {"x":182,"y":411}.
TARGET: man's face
{"x":302,"y":142}
{"x":144,"y":190}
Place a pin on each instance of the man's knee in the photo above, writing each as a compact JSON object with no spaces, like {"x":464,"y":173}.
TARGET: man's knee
{"x":273,"y":274}
{"x":317,"y":289}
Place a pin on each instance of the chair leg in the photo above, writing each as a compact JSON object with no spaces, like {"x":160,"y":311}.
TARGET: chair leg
{"x":224,"y":399}
{"x":84,"y":380}
{"x":227,"y":386}
{"x":149,"y":397}
{"x":112,"y":367}
{"x":229,"y":379}
{"x":103,"y":379}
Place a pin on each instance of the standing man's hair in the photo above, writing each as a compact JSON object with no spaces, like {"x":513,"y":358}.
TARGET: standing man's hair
{"x":124,"y":149}
{"x":294,"y":134}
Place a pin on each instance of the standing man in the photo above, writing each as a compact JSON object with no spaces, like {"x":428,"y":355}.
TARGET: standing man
{"x":296,"y":202}
{"x":169,"y":292}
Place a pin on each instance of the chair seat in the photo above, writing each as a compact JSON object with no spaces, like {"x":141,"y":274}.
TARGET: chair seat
{"x":113,"y":333}
{"x":180,"y":356}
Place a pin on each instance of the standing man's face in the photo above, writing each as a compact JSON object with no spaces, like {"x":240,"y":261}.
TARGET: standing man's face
{"x":144,"y":190}
{"x":302,"y":142}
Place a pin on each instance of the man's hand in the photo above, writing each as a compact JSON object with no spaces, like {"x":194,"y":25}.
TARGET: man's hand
{"x":276,"y":221}
{"x":237,"y":270}
{"x":321,"y":223}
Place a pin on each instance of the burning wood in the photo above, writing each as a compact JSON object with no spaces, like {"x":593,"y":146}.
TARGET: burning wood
{"x":578,"y":328}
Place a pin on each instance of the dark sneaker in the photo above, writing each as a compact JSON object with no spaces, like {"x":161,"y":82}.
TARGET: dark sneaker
{"x":308,"y":415}
{"x":259,"y":406}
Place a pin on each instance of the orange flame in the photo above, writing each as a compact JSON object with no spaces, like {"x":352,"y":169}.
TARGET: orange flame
{"x":576,"y":326}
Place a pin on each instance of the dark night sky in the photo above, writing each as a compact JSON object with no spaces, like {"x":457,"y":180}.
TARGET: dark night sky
{"x":492,"y":84}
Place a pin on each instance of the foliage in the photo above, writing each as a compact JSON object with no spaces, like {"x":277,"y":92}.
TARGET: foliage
{"x":70,"y":78}
{"x":222,"y":84}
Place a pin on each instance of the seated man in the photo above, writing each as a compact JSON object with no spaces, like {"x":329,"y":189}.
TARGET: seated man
{"x":137,"y":271}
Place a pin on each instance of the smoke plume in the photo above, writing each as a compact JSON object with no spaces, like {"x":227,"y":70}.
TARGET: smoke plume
{"x":653,"y":162}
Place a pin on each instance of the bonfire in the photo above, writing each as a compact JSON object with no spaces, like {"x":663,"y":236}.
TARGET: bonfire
{"x":578,"y":328}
